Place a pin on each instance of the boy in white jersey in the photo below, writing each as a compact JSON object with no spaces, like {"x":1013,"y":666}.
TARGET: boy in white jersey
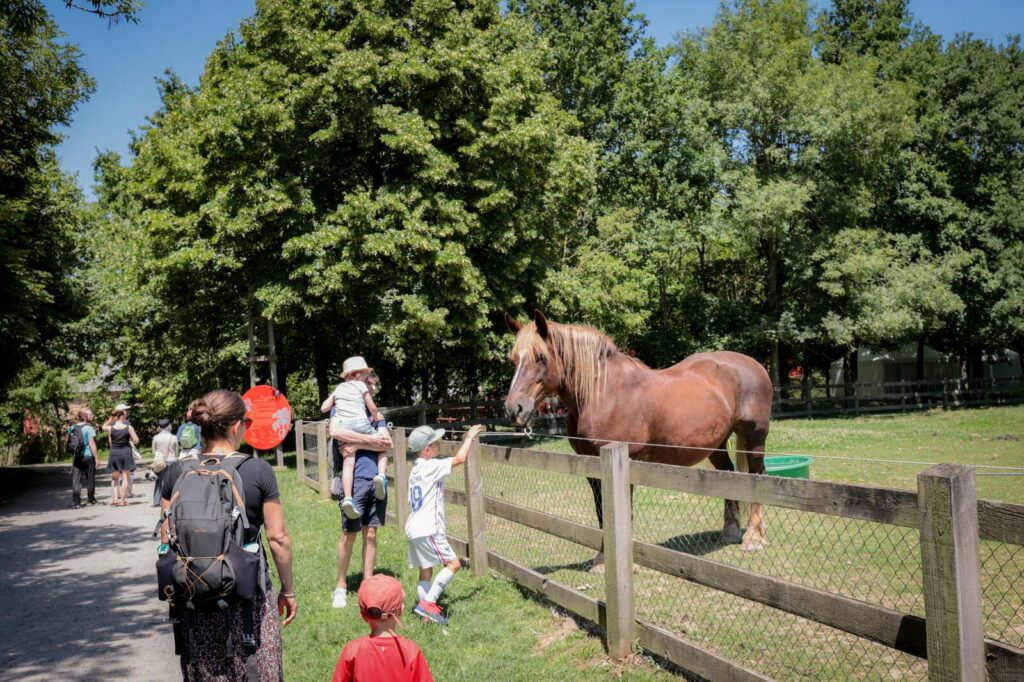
{"x":425,"y":529}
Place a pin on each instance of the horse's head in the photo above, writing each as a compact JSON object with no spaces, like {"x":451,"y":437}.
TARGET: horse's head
{"x":538,"y":370}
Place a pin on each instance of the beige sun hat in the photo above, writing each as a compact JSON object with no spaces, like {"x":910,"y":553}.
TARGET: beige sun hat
{"x":353,"y":364}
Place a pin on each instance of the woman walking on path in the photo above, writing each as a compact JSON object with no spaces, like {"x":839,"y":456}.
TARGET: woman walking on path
{"x":165,"y":453}
{"x":120,"y":463}
{"x":83,"y":467}
{"x":221,"y":415}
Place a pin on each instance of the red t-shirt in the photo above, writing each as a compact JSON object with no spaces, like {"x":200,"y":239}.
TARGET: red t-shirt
{"x":383,"y":659}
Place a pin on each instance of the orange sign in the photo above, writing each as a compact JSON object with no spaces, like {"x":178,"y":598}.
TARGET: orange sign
{"x":271,"y":417}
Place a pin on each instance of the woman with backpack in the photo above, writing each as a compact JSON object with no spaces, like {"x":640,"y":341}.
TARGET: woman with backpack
{"x":165,"y":452}
{"x":213,"y":641}
{"x":121,"y":461}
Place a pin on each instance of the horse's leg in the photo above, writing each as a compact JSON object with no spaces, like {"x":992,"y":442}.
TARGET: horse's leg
{"x":597,"y":564}
{"x":731,"y":530}
{"x":752,"y":441}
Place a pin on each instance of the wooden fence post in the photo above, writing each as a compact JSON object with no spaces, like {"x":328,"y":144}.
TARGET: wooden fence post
{"x":618,"y":549}
{"x":475,"y":513}
{"x":323,"y":453}
{"x":952,"y":573}
{"x":300,"y":449}
{"x":401,"y":487}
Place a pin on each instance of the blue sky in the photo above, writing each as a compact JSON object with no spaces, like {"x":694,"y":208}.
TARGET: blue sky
{"x":124,"y":58}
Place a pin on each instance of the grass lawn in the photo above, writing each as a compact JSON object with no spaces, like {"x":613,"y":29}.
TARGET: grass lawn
{"x":497,"y":630}
{"x":871,"y":562}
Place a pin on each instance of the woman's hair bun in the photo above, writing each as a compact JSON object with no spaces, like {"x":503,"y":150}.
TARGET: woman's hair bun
{"x":201,"y":414}
{"x":216,"y":411}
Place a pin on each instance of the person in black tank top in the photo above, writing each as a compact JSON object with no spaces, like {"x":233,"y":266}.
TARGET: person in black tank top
{"x":120,"y":462}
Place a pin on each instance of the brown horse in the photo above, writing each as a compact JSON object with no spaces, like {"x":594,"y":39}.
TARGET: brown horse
{"x":692,"y":406}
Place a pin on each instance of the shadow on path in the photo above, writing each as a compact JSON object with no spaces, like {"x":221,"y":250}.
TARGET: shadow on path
{"x":78,"y":587}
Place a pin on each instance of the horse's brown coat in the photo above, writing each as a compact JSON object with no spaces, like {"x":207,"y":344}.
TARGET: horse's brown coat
{"x":677,"y":415}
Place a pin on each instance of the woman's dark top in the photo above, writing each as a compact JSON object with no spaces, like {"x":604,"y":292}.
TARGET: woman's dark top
{"x":258,"y":481}
{"x":121,"y":441}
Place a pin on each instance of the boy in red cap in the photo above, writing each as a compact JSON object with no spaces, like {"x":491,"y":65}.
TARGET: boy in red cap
{"x":381,"y":655}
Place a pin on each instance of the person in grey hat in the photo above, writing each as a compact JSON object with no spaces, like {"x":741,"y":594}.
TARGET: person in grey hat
{"x":165,"y":452}
{"x":425,"y":528}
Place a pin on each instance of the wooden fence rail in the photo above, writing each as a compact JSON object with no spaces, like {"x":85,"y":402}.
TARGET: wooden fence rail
{"x":950,"y":521}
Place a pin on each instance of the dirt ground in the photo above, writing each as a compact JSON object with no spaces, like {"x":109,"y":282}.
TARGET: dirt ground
{"x":78,"y":586}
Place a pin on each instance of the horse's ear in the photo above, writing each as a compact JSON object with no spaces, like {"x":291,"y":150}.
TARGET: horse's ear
{"x":513,"y":324}
{"x":542,"y":323}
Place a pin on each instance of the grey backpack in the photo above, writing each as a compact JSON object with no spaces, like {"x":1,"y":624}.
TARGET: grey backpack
{"x":206,"y":567}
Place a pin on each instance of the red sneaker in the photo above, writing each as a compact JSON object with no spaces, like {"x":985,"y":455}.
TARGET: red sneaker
{"x":430,"y":611}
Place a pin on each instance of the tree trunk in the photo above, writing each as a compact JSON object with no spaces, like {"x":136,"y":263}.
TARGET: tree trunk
{"x":805,"y":380}
{"x":321,"y":366}
{"x":773,"y":304}
{"x":849,"y":365}
{"x":919,"y":374}
{"x":775,"y":363}
{"x":663,"y":301}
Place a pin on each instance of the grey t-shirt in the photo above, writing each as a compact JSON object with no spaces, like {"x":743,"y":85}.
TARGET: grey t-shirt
{"x":349,"y":404}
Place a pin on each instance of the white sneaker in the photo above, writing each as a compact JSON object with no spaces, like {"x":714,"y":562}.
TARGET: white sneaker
{"x":340,"y":599}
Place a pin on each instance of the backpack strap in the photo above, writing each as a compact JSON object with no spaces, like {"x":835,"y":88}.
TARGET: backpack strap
{"x":249,"y":639}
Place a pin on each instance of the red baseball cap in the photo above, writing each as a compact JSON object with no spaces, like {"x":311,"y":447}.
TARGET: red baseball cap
{"x":381,"y":594}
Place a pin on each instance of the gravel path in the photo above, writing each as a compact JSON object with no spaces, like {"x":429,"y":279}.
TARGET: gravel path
{"x":78,"y":587}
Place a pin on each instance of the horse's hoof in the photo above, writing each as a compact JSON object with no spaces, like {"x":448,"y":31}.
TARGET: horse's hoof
{"x":752,"y":545}
{"x":731,"y":535}
{"x":597,"y":565}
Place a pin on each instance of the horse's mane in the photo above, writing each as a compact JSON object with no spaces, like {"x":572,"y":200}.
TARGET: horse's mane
{"x":582,"y":349}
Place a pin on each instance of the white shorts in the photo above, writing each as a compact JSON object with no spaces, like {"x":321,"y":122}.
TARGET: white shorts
{"x":430,"y":551}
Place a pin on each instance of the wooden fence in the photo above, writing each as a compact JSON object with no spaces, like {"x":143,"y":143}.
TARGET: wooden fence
{"x":312,"y":456}
{"x":807,"y":399}
{"x":948,"y":517}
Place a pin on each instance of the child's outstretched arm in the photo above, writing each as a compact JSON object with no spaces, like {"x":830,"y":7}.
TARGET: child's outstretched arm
{"x":327,"y":404}
{"x":467,"y":441}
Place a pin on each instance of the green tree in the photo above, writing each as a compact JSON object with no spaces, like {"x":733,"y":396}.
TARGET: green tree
{"x":380,"y":178}
{"x":807,"y":143}
{"x":40,"y":84}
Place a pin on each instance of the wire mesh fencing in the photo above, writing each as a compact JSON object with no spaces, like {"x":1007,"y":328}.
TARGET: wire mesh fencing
{"x":874,"y":563}
{"x":1002,"y":584}
{"x":310,"y":439}
{"x":562,"y":496}
{"x":871,"y":562}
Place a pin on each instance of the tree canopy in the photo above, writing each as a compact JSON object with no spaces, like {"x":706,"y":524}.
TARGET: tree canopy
{"x":386,"y":179}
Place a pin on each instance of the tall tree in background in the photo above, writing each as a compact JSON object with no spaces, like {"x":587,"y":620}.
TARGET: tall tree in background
{"x":808,"y":142}
{"x":40,"y":84}
{"x":378,"y":179}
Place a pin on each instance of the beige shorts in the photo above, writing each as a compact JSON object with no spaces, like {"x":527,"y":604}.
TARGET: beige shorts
{"x":430,"y":551}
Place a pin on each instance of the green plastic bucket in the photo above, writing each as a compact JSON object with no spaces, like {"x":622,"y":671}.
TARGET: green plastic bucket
{"x":792,"y":466}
